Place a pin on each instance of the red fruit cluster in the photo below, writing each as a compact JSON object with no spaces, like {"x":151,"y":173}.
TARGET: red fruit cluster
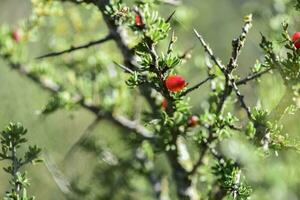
{"x":175,"y":83}
{"x":138,"y":20}
{"x":296,"y":39}
{"x":16,"y":35}
{"x":193,"y":121}
{"x":164,"y":104}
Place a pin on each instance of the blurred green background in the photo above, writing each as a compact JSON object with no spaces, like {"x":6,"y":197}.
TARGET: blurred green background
{"x":219,"y":21}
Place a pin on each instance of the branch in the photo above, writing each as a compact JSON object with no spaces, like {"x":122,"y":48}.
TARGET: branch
{"x":196,"y":86}
{"x":210,"y":52}
{"x":126,"y":69}
{"x":241,"y":100}
{"x":180,"y":174}
{"x":72,"y":48}
{"x":60,"y":179}
{"x":130,"y":125}
{"x":187,"y":53}
{"x":217,"y":62}
{"x":83,"y":137}
{"x":230,"y":84}
{"x":200,"y":160}
{"x":171,"y":2}
{"x":42,"y":82}
{"x":285,"y":101}
{"x":238,"y":44}
{"x":252,"y":76}
{"x":171,"y":43}
{"x":120,"y":121}
{"x":170,"y":17}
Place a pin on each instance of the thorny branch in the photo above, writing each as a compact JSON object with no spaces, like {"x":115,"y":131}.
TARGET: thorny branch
{"x":230,"y":82}
{"x":120,"y":121}
{"x":210,"y":52}
{"x":189,"y":90}
{"x":115,"y":34}
{"x":73,"y":48}
{"x":253,"y":76}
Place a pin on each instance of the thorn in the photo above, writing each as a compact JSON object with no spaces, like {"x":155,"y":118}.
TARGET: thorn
{"x":170,"y":17}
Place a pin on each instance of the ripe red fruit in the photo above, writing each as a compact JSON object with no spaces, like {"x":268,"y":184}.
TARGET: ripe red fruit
{"x":138,"y":20}
{"x":296,"y":39}
{"x":16,"y":35}
{"x":193,"y":121}
{"x":175,"y":83}
{"x":164,"y":104}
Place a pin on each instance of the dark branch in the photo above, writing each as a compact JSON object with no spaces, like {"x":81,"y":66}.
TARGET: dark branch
{"x":170,"y":17}
{"x":241,"y":100}
{"x":252,"y":76}
{"x":196,"y":86}
{"x":200,"y":160}
{"x":186,"y":54}
{"x":71,"y":49}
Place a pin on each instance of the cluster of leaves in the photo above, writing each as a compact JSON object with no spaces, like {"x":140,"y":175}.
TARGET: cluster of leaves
{"x":228,"y":174}
{"x":12,"y":139}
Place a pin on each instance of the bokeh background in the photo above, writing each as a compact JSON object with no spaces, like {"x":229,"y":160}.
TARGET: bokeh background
{"x":218,"y":20}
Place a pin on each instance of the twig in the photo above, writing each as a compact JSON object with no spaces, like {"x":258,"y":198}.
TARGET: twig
{"x":126,"y":69}
{"x":230,"y":83}
{"x":171,"y":2}
{"x":220,"y":66}
{"x":171,"y":43}
{"x":252,"y":76}
{"x":238,"y":44}
{"x":223,"y":96}
{"x":71,"y":49}
{"x":196,"y":86}
{"x":60,"y":179}
{"x":210,"y":52}
{"x":170,"y":17}
{"x":241,"y":100}
{"x":130,"y":125}
{"x":47,"y":84}
{"x":200,"y":160}
{"x":187,"y":52}
{"x":84,"y":136}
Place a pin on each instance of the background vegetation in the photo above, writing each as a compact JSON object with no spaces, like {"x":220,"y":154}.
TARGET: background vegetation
{"x":219,"y":21}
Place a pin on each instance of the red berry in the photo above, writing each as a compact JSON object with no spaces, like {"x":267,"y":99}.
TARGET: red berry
{"x":138,"y":20}
{"x":175,"y":83}
{"x":16,"y":35}
{"x":164,"y":104}
{"x":296,"y":39}
{"x":193,"y":121}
